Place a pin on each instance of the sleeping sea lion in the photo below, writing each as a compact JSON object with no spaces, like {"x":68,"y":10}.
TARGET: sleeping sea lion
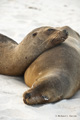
{"x":15,"y":58}
{"x":55,"y":74}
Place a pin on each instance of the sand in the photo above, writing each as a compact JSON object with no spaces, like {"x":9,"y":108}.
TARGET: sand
{"x":18,"y":18}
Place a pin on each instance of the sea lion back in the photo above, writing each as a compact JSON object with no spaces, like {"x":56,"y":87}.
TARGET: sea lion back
{"x":4,"y":40}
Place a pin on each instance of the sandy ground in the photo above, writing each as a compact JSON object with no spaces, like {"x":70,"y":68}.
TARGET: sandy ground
{"x":17,"y":18}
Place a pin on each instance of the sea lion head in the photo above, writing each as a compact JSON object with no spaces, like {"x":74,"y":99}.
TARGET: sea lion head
{"x":43,"y":92}
{"x":48,"y":36}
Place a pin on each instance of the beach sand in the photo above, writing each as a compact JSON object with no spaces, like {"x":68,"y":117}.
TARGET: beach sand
{"x":18,"y":18}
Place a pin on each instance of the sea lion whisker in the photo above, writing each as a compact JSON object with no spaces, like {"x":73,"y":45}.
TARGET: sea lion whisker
{"x":43,"y":42}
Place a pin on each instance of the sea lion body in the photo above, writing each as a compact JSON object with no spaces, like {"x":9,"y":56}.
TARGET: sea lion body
{"x":7,"y":54}
{"x":55,"y":74}
{"x":15,"y":58}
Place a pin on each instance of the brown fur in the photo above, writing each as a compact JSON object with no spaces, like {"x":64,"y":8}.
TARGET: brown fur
{"x":55,"y":74}
{"x":15,"y":58}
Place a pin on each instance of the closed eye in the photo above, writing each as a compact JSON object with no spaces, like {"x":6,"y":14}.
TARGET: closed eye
{"x":51,"y":30}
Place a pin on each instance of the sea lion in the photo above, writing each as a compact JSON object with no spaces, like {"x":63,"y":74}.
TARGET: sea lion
{"x":15,"y":58}
{"x":55,"y":74}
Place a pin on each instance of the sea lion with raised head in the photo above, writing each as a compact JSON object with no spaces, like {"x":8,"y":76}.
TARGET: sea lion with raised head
{"x":15,"y":58}
{"x":55,"y":74}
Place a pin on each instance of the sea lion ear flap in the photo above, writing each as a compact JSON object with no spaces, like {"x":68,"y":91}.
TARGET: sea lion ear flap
{"x":34,"y":34}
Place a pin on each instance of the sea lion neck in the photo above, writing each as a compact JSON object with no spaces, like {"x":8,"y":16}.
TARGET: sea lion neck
{"x":34,"y":44}
{"x":24,"y":52}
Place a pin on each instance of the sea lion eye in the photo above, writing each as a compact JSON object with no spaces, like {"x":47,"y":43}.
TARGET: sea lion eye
{"x":51,"y":30}
{"x":34,"y":34}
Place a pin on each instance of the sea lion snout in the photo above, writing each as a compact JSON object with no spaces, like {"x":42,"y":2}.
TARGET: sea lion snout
{"x":58,"y":36}
{"x":28,"y":95}
{"x":35,"y":98}
{"x":32,"y":97}
{"x":65,"y":32}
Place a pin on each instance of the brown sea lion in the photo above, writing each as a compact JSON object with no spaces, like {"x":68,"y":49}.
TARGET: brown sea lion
{"x":15,"y":58}
{"x":55,"y":74}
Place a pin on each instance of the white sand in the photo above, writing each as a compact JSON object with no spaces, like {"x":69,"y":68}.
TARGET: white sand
{"x":17,"y":18}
